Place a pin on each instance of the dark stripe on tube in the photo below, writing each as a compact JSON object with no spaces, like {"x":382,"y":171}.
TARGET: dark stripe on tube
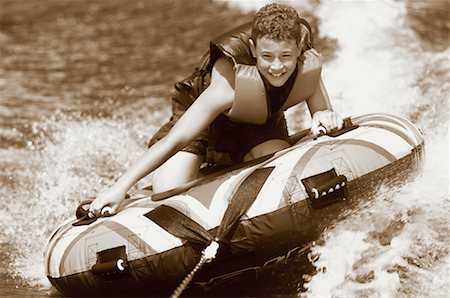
{"x":241,"y":201}
{"x":179,"y":225}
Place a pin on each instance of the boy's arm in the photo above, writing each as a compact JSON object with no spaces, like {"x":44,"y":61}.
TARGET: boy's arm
{"x":322,"y":112}
{"x":320,"y":100}
{"x":215,"y":99}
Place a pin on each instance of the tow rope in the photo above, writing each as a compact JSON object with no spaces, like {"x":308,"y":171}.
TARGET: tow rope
{"x":241,"y":201}
{"x":208,"y":254}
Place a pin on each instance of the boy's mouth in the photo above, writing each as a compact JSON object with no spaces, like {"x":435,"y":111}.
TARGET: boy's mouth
{"x":278,"y":74}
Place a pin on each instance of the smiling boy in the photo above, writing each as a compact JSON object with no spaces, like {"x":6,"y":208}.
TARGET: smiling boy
{"x":233,"y":104}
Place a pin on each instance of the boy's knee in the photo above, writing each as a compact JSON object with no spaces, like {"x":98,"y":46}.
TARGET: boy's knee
{"x":178,"y":170}
{"x":266,"y":148}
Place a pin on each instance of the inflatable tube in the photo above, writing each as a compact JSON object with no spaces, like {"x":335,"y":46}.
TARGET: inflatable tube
{"x":257,"y":211}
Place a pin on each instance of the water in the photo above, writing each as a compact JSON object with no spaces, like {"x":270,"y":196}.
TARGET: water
{"x":383,"y":65}
{"x":83,"y":85}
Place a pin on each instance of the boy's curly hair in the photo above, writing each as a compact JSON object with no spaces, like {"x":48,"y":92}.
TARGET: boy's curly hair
{"x":278,"y":22}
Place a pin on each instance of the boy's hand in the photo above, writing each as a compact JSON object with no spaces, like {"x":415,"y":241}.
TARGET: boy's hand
{"x":106,"y":203}
{"x":326,"y":119}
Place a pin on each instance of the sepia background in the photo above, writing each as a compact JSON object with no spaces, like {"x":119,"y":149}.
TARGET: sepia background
{"x":85,"y":83}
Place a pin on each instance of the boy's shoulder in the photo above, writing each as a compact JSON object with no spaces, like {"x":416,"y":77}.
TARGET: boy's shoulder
{"x":312,"y":59}
{"x":224,"y":67}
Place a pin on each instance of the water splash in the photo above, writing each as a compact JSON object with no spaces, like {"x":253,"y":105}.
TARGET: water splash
{"x":69,"y":157}
{"x":398,"y":245}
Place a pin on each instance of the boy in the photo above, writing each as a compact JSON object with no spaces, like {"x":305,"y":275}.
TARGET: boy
{"x":233,"y":104}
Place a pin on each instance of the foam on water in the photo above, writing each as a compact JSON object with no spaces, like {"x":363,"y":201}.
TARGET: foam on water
{"x":379,"y":59}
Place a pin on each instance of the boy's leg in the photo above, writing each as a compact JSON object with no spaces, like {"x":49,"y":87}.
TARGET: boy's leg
{"x":266,"y":148}
{"x":177,"y":170}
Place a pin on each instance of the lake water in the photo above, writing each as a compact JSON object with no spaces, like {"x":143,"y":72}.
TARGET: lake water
{"x":84,"y":85}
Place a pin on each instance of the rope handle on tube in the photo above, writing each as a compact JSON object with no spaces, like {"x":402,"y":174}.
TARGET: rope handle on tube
{"x":208,"y":254}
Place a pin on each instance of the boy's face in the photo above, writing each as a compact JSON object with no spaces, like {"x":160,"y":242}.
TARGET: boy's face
{"x":276,"y":60}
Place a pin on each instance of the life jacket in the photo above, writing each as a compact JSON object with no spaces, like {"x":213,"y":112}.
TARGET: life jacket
{"x":250,"y":102}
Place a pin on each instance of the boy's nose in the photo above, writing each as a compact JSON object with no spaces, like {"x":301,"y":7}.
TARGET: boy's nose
{"x":276,"y":65}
